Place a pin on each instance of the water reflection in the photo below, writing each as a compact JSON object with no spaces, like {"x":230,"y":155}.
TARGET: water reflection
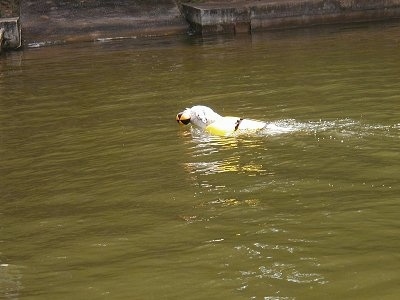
{"x":205,"y":148}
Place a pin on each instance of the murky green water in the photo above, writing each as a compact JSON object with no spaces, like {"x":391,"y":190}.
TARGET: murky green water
{"x":104,"y":196}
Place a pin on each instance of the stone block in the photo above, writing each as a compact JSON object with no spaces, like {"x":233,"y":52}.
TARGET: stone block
{"x":10,"y":33}
{"x":272,"y":14}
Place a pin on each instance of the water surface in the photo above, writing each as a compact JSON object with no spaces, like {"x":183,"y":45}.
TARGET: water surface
{"x":103,"y":195}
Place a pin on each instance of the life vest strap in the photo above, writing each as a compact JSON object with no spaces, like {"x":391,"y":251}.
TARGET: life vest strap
{"x":238,"y":123}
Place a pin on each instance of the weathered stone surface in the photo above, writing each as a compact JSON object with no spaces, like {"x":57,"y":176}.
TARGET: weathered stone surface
{"x":59,"y":21}
{"x":80,"y":20}
{"x":267,"y":14}
{"x":9,"y":8}
{"x":10,"y":33}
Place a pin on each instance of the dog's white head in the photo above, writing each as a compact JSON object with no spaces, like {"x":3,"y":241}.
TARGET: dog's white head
{"x":198,"y":115}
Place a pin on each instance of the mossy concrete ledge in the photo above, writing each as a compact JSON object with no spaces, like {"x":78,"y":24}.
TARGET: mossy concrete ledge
{"x":10,"y":33}
{"x":248,"y":16}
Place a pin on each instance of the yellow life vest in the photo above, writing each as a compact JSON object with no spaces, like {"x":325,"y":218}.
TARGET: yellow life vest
{"x":229,"y":125}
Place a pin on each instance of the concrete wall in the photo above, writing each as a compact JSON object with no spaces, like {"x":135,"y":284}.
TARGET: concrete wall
{"x":250,"y":16}
{"x":10,"y":29}
{"x":9,"y":8}
{"x":58,"y":21}
{"x":10,"y":33}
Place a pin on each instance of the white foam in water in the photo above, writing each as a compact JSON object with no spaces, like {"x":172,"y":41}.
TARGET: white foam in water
{"x":340,"y":127}
{"x":278,"y":128}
